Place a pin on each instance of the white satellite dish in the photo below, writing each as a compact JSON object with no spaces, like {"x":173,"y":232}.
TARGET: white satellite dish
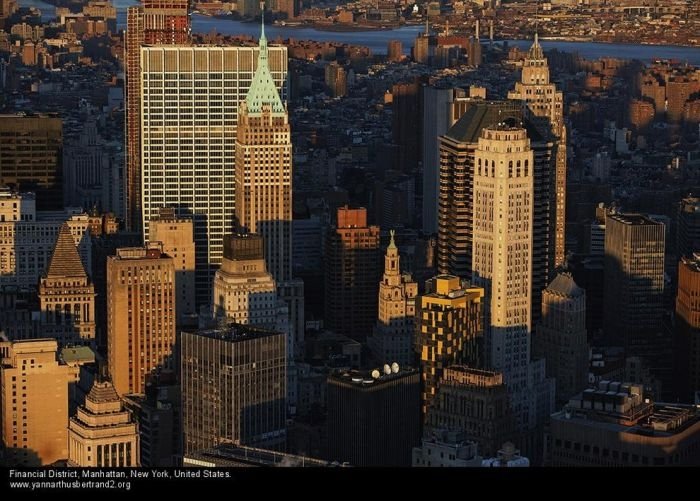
{"x":387,"y":369}
{"x":395,"y":368}
{"x":375,"y":374}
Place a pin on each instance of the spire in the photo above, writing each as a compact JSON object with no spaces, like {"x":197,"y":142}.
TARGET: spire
{"x":65,"y":260}
{"x":427,"y":29}
{"x":263,"y":89}
{"x":535,"y":52}
{"x":392,"y":244}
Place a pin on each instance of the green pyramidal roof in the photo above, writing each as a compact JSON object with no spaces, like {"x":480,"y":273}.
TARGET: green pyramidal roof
{"x":263,"y":89}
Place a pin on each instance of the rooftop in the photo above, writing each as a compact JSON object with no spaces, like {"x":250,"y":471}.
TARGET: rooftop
{"x":237,"y":455}
{"x":634,"y":219}
{"x":65,"y":260}
{"x":373,"y":378}
{"x":77,"y":354}
{"x":234,"y":332}
{"x":563,"y":284}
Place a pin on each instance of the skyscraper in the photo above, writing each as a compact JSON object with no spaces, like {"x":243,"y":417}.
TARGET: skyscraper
{"x":634,"y":279}
{"x":687,"y":330}
{"x":545,"y":106}
{"x":66,"y":295}
{"x":198,"y":121}
{"x":352,"y":272}
{"x":233,"y":387}
{"x":373,"y":419}
{"x":264,"y":167}
{"x":336,"y":79}
{"x":394,"y":52}
{"x":155,"y":22}
{"x":406,"y":119}
{"x":502,"y":260}
{"x":34,"y":402}
{"x":31,"y":157}
{"x":455,"y":211}
{"x":140,"y":315}
{"x":103,"y":433}
{"x":392,"y":340}
{"x":688,"y":227}
{"x":176,"y":235}
{"x":448,"y":331}
{"x":560,"y":337}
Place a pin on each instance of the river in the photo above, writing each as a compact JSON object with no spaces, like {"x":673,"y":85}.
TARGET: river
{"x":377,"y":40}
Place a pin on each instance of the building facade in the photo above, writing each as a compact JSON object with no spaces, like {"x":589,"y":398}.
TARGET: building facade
{"x":373,"y":419}
{"x":352,"y":269}
{"x":34,"y":402}
{"x":199,"y":121}
{"x":141,"y":316}
{"x":233,"y":387}
{"x":476,"y":403}
{"x":103,"y":433}
{"x":686,"y":345}
{"x":448,"y":331}
{"x":31,"y":151}
{"x":392,"y":340}
{"x":561,"y":338}
{"x":176,"y":235}
{"x":634,"y":279}
{"x":66,"y":295}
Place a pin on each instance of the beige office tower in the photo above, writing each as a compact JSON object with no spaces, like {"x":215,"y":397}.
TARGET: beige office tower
{"x":176,"y":234}
{"x":264,"y":168}
{"x":392,"y":340}
{"x":140,"y":315}
{"x":502,"y":264}
{"x":103,"y":433}
{"x":448,"y":331}
{"x":34,"y":402}
{"x":66,"y":295}
{"x":190,"y":97}
{"x":545,"y":106}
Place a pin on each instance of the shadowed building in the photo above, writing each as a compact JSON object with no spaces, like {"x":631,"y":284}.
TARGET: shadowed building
{"x":103,"y":433}
{"x":634,"y":279}
{"x":476,"y":403}
{"x":66,"y":295}
{"x":352,"y":269}
{"x":374,"y":419}
{"x":561,"y":337}
{"x":233,"y":387}
{"x":393,"y":335}
{"x":31,"y":157}
{"x":687,"y":330}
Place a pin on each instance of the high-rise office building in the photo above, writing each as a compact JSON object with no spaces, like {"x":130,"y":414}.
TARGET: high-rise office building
{"x":448,"y":331}
{"x":560,"y":337}
{"x":502,"y":263}
{"x":618,"y":424}
{"x":200,"y":121}
{"x":374,"y":419}
{"x":103,"y":433}
{"x":233,"y":387}
{"x":352,"y":273}
{"x":392,"y":340}
{"x":441,"y":109}
{"x":686,"y":344}
{"x":474,"y":402}
{"x":66,"y":295}
{"x":455,"y":209}
{"x":422,"y":46}
{"x":406,"y":119}
{"x":688,"y":227}
{"x":176,"y":235}
{"x":545,"y":106}
{"x":394,"y":52}
{"x":141,"y":315}
{"x":634,"y":279}
{"x":31,"y":157}
{"x":157,"y":22}
{"x":263,"y":164}
{"x":336,"y":79}
{"x":34,"y":402}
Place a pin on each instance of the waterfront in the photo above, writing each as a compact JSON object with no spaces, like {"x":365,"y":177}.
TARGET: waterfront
{"x":377,"y":40}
